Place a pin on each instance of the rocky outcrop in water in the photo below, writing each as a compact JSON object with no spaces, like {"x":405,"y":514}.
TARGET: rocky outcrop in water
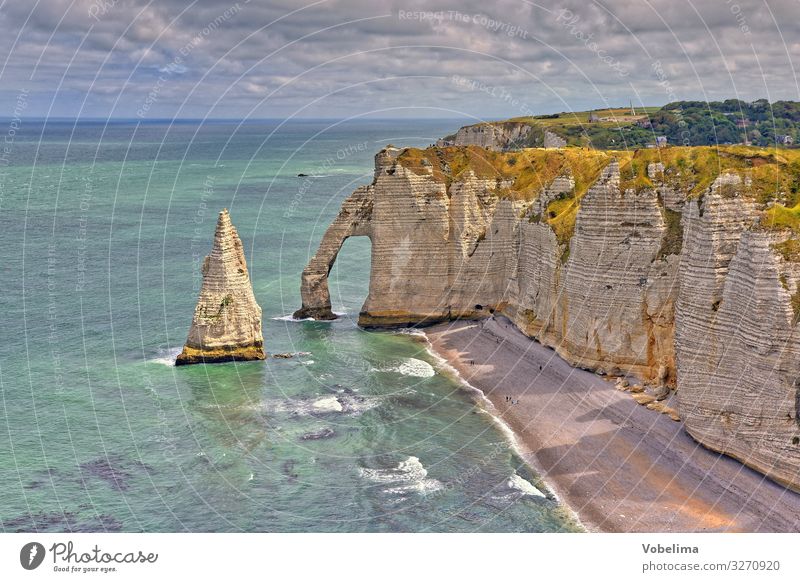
{"x":661,"y":264}
{"x":352,"y":220}
{"x":227,"y":320}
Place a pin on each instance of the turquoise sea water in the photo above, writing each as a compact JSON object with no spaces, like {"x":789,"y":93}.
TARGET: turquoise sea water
{"x":102,"y":229}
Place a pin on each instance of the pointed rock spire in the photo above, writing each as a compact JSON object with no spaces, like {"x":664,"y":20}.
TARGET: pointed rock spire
{"x":227,"y":320}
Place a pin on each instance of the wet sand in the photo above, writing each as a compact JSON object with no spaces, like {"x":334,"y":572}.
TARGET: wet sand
{"x":619,"y":466}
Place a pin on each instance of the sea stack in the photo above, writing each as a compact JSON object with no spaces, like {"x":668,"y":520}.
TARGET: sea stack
{"x":227,"y":320}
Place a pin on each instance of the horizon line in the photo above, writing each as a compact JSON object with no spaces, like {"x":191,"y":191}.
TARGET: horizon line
{"x":222,"y":119}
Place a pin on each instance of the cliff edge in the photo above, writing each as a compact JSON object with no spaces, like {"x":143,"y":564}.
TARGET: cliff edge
{"x":679,"y":265}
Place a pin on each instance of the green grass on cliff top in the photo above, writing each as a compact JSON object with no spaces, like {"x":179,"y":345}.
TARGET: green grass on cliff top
{"x":771,"y":175}
{"x":614,"y":117}
{"x":691,"y":123}
{"x":529,"y":170}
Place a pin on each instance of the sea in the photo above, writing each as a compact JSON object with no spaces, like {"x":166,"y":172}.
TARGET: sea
{"x":103,"y":227}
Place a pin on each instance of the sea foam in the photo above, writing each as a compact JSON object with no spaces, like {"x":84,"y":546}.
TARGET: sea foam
{"x":523,"y":486}
{"x":291,"y":317}
{"x":348,"y":404}
{"x":166,"y":357}
{"x":327,"y":404}
{"x":410,"y":367}
{"x":409,"y":476}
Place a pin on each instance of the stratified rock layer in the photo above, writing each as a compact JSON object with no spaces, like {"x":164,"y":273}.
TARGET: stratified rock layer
{"x":499,"y":136}
{"x":663,"y":270}
{"x":458,"y":248}
{"x":609,"y":306}
{"x":737,"y":339}
{"x":227,"y":320}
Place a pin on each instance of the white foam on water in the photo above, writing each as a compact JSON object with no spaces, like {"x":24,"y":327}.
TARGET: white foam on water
{"x":291,"y":317}
{"x":359,"y":404}
{"x":410,"y":367}
{"x":408,"y":476}
{"x":411,"y":331}
{"x":327,"y":404}
{"x":166,"y":357}
{"x":523,"y":486}
{"x":416,"y":368}
{"x":489,"y":408}
{"x":342,"y":404}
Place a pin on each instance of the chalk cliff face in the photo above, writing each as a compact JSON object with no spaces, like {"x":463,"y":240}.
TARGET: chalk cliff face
{"x":609,"y":306}
{"x":445,"y":247}
{"x":503,"y":136}
{"x":649,"y":263}
{"x":737,"y":339}
{"x":227,"y":320}
{"x":498,"y":136}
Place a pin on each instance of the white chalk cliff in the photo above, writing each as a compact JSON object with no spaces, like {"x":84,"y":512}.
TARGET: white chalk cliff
{"x":498,"y":135}
{"x":227,"y":320}
{"x":622,"y":263}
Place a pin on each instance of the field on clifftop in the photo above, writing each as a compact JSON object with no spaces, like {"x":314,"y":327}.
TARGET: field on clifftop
{"x":687,"y":123}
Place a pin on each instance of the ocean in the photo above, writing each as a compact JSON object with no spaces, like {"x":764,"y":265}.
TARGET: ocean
{"x":103,"y":228}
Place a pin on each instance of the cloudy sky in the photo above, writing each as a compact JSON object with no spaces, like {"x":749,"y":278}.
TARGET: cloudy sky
{"x":388,"y":58}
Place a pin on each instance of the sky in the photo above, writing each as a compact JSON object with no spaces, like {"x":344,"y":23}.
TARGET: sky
{"x":339,"y":59}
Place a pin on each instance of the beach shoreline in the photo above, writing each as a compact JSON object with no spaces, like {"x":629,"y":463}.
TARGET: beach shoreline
{"x":616,"y":465}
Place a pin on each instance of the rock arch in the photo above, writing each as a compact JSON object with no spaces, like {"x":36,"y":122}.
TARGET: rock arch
{"x":354,"y":219}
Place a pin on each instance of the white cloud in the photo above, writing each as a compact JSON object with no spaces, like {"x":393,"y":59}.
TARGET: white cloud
{"x":352,"y":55}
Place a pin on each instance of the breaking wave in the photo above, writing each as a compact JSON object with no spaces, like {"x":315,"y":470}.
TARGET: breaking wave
{"x":291,"y":317}
{"x":523,"y":486}
{"x":349,"y":404}
{"x":410,"y":367}
{"x":327,"y":404}
{"x":166,"y":357}
{"x":409,"y":476}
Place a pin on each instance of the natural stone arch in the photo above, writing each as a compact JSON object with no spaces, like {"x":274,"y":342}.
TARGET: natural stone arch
{"x":354,"y":219}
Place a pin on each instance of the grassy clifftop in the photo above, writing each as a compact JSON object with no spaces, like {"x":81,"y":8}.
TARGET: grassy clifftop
{"x":530,"y":170}
{"x":686,"y":123}
{"x":770,"y":176}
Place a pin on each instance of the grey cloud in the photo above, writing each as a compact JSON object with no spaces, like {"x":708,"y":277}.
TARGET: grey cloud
{"x":353,"y":55}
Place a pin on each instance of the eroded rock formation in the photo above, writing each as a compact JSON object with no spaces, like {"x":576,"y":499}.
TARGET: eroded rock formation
{"x":609,"y":305}
{"x":663,"y":264}
{"x":227,"y":320}
{"x":445,"y":248}
{"x":353,"y":220}
{"x":498,"y":136}
{"x":737,"y":338}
